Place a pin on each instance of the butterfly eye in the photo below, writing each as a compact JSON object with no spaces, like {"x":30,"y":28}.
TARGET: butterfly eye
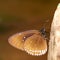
{"x":30,"y":41}
{"x":43,"y":32}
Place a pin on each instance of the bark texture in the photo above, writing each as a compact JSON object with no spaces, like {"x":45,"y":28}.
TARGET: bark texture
{"x":54,"y":43}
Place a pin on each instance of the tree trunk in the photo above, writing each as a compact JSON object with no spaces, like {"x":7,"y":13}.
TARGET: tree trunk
{"x":54,"y":43}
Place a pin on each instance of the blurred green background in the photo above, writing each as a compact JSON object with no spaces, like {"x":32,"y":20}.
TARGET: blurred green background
{"x":21,"y":15}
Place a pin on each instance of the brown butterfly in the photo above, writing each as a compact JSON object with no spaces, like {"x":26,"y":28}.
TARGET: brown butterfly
{"x":31,"y":41}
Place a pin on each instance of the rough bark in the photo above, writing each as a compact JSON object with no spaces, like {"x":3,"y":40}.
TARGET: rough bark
{"x":54,"y":43}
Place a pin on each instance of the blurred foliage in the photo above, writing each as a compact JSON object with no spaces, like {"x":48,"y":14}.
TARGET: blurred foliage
{"x":10,"y":18}
{"x":4,"y":29}
{"x":9,"y":22}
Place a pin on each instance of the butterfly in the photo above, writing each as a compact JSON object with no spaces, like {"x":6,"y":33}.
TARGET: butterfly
{"x":31,"y":41}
